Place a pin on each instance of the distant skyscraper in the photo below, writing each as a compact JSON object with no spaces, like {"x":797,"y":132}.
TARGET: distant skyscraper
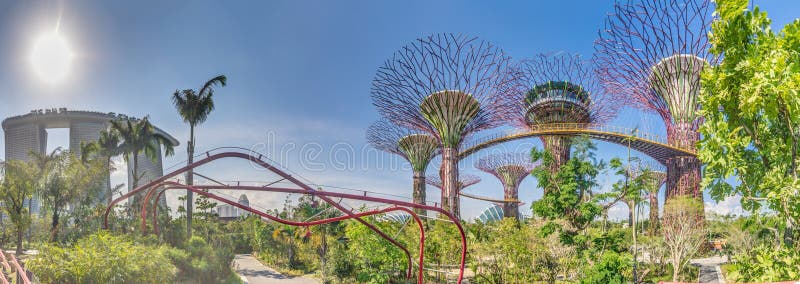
{"x":227,"y":211}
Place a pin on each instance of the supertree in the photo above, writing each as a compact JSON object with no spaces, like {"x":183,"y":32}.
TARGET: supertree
{"x":449,"y":86}
{"x":652,"y":176}
{"x":651,"y":53}
{"x":463,"y":182}
{"x":510,"y":169}
{"x":560,"y":88}
{"x":414,"y":146}
{"x":657,"y":178}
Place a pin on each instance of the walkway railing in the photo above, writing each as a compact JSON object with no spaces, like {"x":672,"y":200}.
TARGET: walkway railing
{"x":570,"y":129}
{"x":10,"y":266}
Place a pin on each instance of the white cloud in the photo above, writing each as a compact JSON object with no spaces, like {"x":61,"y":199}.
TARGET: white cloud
{"x":731,"y":205}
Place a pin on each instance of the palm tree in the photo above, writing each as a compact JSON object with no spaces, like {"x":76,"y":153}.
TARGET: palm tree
{"x":194,"y":108}
{"x":106,"y":146}
{"x":50,"y":182}
{"x":138,"y":136}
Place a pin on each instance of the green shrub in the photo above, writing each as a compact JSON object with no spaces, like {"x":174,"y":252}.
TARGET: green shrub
{"x":103,"y":258}
{"x":611,"y":269}
{"x":200,"y":262}
{"x":766,"y":263}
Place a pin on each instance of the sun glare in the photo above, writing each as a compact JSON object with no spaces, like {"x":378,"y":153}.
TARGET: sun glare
{"x":51,"y":57}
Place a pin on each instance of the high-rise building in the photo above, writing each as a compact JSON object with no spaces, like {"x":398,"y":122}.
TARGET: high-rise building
{"x":25,"y":134}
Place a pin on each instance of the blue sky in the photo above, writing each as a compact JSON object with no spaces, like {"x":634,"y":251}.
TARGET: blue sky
{"x":299,"y":71}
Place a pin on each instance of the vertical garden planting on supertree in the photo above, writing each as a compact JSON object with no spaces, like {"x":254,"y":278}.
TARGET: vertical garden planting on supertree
{"x":652,"y":53}
{"x":510,"y":169}
{"x":449,"y":86}
{"x":561,"y":88}
{"x":414,"y":146}
{"x":464,"y":181}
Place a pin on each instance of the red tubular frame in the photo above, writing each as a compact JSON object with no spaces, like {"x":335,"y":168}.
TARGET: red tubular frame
{"x":258,"y":161}
{"x":295,"y":223}
{"x":20,"y":272}
{"x":305,"y":189}
{"x":5,"y":266}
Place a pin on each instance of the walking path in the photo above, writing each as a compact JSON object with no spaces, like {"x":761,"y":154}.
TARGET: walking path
{"x":709,"y":269}
{"x":256,"y":273}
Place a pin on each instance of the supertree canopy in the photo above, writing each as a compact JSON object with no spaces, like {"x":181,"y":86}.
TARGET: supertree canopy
{"x":464,"y":181}
{"x":651,"y":53}
{"x":448,"y":86}
{"x":561,"y":88}
{"x":511,"y":169}
{"x":416,"y":147}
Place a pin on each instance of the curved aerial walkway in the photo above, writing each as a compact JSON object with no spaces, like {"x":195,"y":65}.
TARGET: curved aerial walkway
{"x":489,"y":199}
{"x":651,"y":145}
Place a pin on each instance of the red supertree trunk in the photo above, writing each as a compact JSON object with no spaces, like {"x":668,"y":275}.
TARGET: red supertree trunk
{"x":683,"y":172}
{"x":449,"y":174}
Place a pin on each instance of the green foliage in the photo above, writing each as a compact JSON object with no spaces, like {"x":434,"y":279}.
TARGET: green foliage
{"x":765,"y":263}
{"x":66,"y":180}
{"x":752,"y":111}
{"x":19,"y":183}
{"x":103,"y":258}
{"x":612,"y":268}
{"x":508,"y":256}
{"x":201,"y":262}
{"x":377,"y":259}
{"x":568,"y":192}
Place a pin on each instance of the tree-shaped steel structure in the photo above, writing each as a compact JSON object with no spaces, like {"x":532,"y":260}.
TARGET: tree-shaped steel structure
{"x":449,"y":86}
{"x":414,"y":146}
{"x":560,"y":89}
{"x":510,"y":169}
{"x":464,"y":181}
{"x":655,"y":177}
{"x":651,"y":53}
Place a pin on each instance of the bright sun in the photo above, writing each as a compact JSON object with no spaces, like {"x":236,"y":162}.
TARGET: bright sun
{"x":51,"y":57}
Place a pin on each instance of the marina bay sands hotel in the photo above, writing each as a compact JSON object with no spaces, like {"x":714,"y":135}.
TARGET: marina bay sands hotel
{"x":25,"y":134}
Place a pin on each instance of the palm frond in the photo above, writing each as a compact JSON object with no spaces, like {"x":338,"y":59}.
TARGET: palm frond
{"x":220,"y":80}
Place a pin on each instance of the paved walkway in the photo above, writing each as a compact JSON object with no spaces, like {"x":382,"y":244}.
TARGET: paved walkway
{"x":709,"y":269}
{"x":256,"y":273}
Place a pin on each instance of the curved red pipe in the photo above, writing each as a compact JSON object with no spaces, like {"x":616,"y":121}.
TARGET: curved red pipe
{"x":20,"y":272}
{"x":306,"y":190}
{"x":304,"y":224}
{"x":363,"y":198}
{"x":265,"y":165}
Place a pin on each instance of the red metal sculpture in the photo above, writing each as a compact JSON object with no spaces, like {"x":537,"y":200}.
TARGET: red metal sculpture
{"x":303,"y":189}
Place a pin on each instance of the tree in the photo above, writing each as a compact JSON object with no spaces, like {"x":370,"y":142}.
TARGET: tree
{"x":63,"y":179}
{"x":106,"y":146}
{"x":751,"y":130}
{"x":683,"y":231}
{"x":138,"y":136}
{"x":21,"y":180}
{"x":50,"y":182}
{"x":194,"y":108}
{"x":571,"y":195}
